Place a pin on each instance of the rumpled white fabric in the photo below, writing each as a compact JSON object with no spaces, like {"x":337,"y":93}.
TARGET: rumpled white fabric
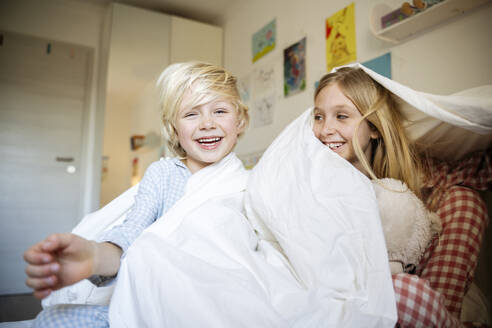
{"x":450,"y":125}
{"x":324,"y":215}
{"x":202,"y":264}
{"x":447,"y":126}
{"x":91,"y":227}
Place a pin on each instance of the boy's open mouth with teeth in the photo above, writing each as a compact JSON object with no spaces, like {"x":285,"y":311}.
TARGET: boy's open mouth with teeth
{"x":209,"y":142}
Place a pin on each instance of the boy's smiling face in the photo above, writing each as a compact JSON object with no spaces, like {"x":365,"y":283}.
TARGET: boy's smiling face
{"x":207,"y":132}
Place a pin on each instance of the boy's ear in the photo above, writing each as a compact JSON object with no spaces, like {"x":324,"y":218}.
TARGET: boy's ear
{"x":240,"y":125}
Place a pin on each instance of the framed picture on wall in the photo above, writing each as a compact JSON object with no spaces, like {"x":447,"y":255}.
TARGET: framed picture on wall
{"x":295,"y":68}
{"x":264,"y":40}
{"x":340,"y":38}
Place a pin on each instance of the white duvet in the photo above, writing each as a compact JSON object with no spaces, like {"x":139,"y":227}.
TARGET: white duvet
{"x":203,"y":265}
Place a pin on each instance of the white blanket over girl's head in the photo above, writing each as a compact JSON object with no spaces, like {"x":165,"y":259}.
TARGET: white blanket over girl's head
{"x":447,"y":127}
{"x":202,"y":264}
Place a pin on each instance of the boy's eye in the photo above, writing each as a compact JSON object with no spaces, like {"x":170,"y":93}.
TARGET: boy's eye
{"x":318,"y":117}
{"x":220,"y":111}
{"x":190,"y":114}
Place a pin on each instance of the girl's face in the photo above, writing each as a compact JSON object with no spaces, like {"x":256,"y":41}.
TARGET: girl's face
{"x":207,"y":132}
{"x":335,"y":119}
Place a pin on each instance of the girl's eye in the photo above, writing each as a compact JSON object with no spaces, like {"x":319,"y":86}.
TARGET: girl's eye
{"x":341,"y":116}
{"x":318,"y":117}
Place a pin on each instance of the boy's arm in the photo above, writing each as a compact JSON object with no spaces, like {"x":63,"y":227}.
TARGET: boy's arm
{"x":144,"y":212}
{"x":64,"y":259}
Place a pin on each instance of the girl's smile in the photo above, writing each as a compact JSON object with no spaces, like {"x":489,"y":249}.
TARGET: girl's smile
{"x":335,"y":120}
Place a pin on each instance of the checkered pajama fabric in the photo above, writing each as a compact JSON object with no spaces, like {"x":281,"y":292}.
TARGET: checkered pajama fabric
{"x":434,"y":297}
{"x":73,"y":316}
{"x":451,"y":260}
{"x":418,"y":305}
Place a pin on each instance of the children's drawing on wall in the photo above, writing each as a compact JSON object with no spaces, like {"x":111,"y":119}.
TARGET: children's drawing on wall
{"x":250,"y":160}
{"x":263,"y":108}
{"x":244,"y":88}
{"x":263,"y":41}
{"x":381,"y":65}
{"x":295,"y":68}
{"x":340,"y":38}
{"x":263,"y":80}
{"x":263,"y":102}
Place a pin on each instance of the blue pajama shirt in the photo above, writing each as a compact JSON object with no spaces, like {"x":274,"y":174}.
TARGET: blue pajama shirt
{"x":162,"y":186}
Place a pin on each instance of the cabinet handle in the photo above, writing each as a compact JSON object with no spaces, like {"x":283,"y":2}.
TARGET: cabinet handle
{"x":64,"y":159}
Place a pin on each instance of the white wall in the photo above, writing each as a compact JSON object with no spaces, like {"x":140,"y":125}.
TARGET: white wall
{"x":449,"y":57}
{"x":74,"y":22}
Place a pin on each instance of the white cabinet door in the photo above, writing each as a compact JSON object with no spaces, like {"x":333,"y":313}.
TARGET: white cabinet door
{"x":43,"y":87}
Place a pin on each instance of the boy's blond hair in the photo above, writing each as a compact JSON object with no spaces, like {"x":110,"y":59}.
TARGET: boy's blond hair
{"x":205,"y":83}
{"x":393,"y":155}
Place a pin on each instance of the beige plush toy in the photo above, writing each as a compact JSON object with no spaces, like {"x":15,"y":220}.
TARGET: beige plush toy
{"x":408,"y":226}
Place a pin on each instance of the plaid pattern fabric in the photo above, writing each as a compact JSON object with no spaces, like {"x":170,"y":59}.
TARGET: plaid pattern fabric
{"x":474,"y":171}
{"x":75,"y":316}
{"x":448,"y":265}
{"x":419,"y":305}
{"x":164,"y":182}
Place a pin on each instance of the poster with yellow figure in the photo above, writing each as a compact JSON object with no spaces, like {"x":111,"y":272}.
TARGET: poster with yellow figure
{"x":340,"y":38}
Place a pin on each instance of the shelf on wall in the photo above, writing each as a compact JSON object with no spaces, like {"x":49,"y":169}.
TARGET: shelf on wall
{"x":419,"y":21}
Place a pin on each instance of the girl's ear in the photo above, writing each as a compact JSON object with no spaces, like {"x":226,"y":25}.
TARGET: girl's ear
{"x":374,"y":132}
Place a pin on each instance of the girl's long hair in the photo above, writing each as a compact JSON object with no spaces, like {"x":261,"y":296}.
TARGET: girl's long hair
{"x":393,"y":155}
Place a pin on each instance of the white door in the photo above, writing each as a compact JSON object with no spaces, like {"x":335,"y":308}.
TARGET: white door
{"x":43,"y":86}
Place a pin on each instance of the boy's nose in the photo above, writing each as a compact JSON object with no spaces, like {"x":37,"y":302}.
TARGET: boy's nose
{"x":207,"y":123}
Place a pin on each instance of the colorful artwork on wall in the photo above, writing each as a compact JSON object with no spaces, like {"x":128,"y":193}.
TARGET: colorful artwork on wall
{"x":340,"y":38}
{"x":264,"y":40}
{"x":295,"y":68}
{"x":381,"y":65}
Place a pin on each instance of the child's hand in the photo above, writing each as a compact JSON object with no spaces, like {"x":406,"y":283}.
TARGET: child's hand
{"x":58,"y":261}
